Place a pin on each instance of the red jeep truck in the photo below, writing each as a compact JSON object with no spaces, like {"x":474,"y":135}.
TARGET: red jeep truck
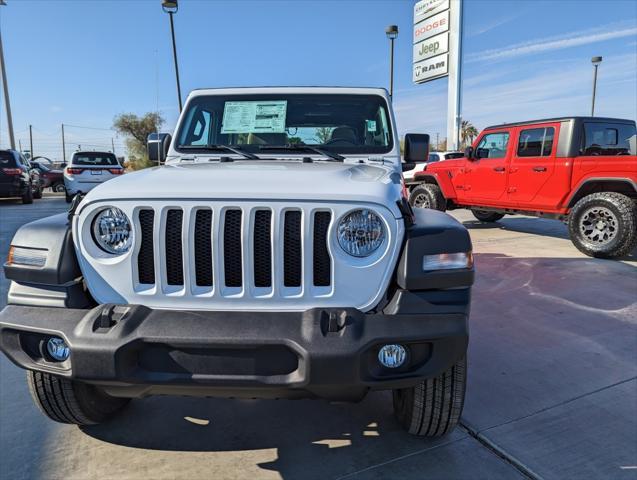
{"x":581,"y":170}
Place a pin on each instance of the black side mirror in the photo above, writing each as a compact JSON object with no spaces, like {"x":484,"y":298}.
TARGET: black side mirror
{"x":481,"y":153}
{"x":158,"y":145}
{"x":468,"y":153}
{"x":416,"y":149}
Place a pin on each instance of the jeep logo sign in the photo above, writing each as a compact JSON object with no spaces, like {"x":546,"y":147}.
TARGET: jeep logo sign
{"x":432,"y":68}
{"x":432,"y":26}
{"x":431,"y":47}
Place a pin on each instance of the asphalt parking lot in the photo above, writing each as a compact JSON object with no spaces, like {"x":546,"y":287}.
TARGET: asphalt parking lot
{"x":552,"y":390}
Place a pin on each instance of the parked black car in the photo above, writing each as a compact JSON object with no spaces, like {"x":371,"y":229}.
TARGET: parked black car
{"x":18,"y":178}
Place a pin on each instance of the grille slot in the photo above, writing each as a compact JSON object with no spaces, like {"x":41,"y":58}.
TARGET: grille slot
{"x":322,"y":262}
{"x":292,"y":253}
{"x":146,"y":255}
{"x":262,"y":248}
{"x":174,"y":254}
{"x":232,"y":262}
{"x":203,"y":248}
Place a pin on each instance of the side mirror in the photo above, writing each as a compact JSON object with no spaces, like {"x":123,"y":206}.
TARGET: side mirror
{"x":481,"y":153}
{"x":158,"y":145}
{"x":468,"y":153}
{"x":416,"y":148}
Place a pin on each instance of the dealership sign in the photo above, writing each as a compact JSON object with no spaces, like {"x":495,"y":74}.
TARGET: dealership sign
{"x":431,"y":47}
{"x":431,"y":68}
{"x":427,"y":8}
{"x":431,"y":39}
{"x":431,"y":26}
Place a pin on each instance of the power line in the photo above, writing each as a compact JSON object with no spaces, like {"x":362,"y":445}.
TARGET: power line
{"x":90,"y":128}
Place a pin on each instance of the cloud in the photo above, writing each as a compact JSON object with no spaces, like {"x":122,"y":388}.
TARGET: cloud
{"x":498,"y":22}
{"x":574,"y":39}
{"x":535,"y":93}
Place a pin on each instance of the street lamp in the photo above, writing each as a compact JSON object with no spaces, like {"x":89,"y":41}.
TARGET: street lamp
{"x":595,"y":61}
{"x":171,"y":7}
{"x":392,"y":33}
{"x":6,"y":90}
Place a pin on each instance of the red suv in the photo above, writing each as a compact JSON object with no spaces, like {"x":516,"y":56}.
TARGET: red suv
{"x":582,"y":170}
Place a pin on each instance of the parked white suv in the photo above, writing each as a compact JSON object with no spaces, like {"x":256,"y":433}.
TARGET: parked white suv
{"x":274,"y":256}
{"x":433,"y":157}
{"x":89,"y":169}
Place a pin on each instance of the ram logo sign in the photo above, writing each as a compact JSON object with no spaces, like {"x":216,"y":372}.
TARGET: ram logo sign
{"x":434,"y":67}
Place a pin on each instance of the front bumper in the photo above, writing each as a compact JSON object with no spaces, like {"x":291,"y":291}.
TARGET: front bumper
{"x":134,"y":351}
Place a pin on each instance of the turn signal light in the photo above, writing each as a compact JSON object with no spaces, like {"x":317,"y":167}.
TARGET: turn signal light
{"x":447,"y":261}
{"x":12,"y":171}
{"x":116,"y":171}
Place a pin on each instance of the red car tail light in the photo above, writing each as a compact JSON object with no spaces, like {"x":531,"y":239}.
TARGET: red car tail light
{"x":74,"y":171}
{"x":12,"y":171}
{"x":116,"y":171}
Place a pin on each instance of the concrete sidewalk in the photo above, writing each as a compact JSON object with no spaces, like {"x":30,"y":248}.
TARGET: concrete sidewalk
{"x":552,"y":391}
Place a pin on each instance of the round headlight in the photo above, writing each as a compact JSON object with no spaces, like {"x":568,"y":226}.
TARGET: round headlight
{"x":360,"y":233}
{"x":112,"y":231}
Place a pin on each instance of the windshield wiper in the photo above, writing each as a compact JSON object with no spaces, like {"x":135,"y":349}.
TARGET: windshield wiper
{"x":236,"y":150}
{"x":307,"y":148}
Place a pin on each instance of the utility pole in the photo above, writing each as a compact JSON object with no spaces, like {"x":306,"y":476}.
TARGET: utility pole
{"x":63,"y":146}
{"x":31,"y":139}
{"x":437,"y":140}
{"x":6,"y":91}
{"x":113,"y":145}
{"x":20,"y":144}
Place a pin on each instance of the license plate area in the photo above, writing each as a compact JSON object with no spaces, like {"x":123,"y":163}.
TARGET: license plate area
{"x":96,"y":172}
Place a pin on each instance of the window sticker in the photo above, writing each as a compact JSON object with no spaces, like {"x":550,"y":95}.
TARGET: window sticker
{"x":254,"y":117}
{"x":371,"y":125}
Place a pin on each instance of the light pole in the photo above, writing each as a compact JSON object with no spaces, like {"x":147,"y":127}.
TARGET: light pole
{"x":595,"y":61}
{"x":392,"y":33}
{"x":6,"y":90}
{"x":171,"y":7}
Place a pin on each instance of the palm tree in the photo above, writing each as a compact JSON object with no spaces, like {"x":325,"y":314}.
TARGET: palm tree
{"x":467,"y":133}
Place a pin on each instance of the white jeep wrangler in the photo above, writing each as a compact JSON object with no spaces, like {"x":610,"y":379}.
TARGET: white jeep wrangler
{"x":274,"y":255}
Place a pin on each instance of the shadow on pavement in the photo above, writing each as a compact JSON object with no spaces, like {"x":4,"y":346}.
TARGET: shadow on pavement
{"x":312,"y":438}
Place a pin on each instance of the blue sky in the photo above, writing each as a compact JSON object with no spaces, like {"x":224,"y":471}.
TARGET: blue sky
{"x":82,"y":62}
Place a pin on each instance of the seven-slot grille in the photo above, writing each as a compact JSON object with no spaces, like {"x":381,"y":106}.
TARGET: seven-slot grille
{"x":219,"y":244}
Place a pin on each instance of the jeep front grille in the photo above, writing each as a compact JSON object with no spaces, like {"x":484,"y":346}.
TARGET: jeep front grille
{"x":244,"y":245}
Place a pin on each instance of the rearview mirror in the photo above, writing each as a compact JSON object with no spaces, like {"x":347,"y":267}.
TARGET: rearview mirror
{"x":158,"y":145}
{"x":416,"y":148}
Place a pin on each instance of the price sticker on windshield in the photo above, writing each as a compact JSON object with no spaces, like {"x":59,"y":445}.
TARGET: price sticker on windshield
{"x":254,"y":117}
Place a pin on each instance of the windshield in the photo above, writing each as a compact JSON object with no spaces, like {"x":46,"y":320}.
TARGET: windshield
{"x":101,"y":159}
{"x":353,"y":124}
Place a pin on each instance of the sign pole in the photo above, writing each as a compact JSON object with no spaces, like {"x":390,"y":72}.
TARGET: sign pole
{"x":454,"y":100}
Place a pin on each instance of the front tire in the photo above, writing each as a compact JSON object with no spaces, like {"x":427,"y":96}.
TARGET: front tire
{"x":433,"y":407}
{"x":67,"y":401}
{"x":38,"y":193}
{"x":487,"y":216}
{"x":428,"y":195}
{"x":604,"y":225}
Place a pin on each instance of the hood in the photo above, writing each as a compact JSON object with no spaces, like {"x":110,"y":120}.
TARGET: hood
{"x":273,"y":180}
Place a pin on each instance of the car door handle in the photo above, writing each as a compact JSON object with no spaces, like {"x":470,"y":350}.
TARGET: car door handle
{"x":539,"y":169}
{"x":498,"y":169}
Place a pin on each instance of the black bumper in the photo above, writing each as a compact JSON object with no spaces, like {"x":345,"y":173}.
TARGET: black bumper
{"x":329,"y":353}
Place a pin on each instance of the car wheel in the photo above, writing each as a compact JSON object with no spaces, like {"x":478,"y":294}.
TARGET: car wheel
{"x":58,"y":187}
{"x":428,"y":195}
{"x":487,"y":216}
{"x":433,"y":407}
{"x":604,"y":225}
{"x":37,"y":194}
{"x":68,"y":401}
{"x":28,"y":195}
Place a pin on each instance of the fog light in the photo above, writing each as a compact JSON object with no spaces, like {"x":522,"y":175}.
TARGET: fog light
{"x":392,"y":356}
{"x":58,"y":349}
